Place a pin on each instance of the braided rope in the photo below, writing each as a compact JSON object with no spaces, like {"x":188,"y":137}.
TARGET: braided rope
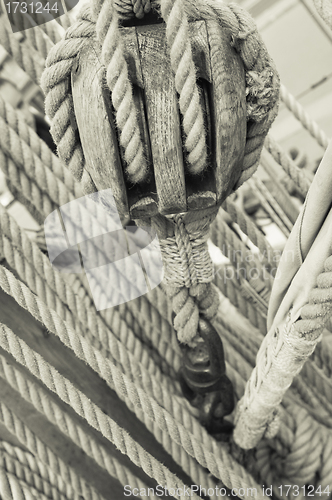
{"x":308,"y":123}
{"x":124,"y":388}
{"x":233,"y":473}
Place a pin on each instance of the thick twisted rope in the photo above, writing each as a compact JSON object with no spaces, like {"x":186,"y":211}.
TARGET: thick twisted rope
{"x":188,"y":270}
{"x":42,"y":204}
{"x":41,"y":400}
{"x":46,"y":455}
{"x":294,"y":172}
{"x":308,"y":461}
{"x":125,"y":389}
{"x":59,"y":102}
{"x":108,"y":33}
{"x":177,"y":33}
{"x":324,"y":8}
{"x":12,"y":488}
{"x":132,"y":360}
{"x":308,"y":123}
{"x":25,"y":146}
{"x":37,"y":486}
{"x":127,"y":9}
{"x":255,"y":235}
{"x":19,"y":52}
{"x":101,"y":422}
{"x":43,"y":403}
{"x":25,"y":466}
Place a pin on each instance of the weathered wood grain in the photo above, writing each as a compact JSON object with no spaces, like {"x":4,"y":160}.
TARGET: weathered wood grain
{"x":97,"y":131}
{"x":147,"y":56}
{"x":170,"y":188}
{"x":228,"y":109}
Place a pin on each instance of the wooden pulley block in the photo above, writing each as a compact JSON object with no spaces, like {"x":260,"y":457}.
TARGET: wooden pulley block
{"x":170,"y":187}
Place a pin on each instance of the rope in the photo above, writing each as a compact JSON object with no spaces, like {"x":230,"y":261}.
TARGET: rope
{"x":231,"y":475}
{"x":19,"y":52}
{"x":28,"y":162}
{"x":43,"y":403}
{"x":28,"y":189}
{"x":262,"y":82}
{"x":59,"y":102}
{"x":94,"y":416}
{"x":132,"y":361}
{"x":45,"y":455}
{"x":41,"y":400}
{"x":230,"y":288}
{"x":28,"y":469}
{"x":324,"y":9}
{"x":108,"y":33}
{"x":294,"y":172}
{"x":27,"y":145}
{"x":307,"y":462}
{"x":11,"y":488}
{"x":255,"y":235}
{"x":177,"y":33}
{"x":281,"y":357}
{"x":298,"y":111}
{"x":38,"y":487}
{"x":51,"y":29}
{"x":248,"y":267}
{"x":270,"y":205}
